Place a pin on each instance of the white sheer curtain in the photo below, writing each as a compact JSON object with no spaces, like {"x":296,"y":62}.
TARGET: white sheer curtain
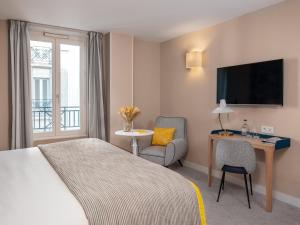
{"x":21,"y":130}
{"x":97,"y":119}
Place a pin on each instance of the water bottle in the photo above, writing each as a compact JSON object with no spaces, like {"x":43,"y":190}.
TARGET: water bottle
{"x":245,"y":128}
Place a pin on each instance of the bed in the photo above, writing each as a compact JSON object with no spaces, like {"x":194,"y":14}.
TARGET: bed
{"x":91,"y":182}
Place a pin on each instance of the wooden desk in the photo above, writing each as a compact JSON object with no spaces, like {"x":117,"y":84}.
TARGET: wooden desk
{"x":258,"y":145}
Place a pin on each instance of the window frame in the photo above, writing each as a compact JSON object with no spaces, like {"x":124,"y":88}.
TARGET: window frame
{"x":38,"y":34}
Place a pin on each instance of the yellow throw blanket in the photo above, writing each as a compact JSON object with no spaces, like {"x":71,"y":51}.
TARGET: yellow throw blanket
{"x":200,"y":204}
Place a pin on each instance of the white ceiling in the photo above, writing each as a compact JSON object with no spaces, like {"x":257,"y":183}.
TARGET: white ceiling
{"x":156,"y":20}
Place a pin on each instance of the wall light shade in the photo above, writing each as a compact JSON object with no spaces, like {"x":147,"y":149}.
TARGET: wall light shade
{"x":193,"y":59}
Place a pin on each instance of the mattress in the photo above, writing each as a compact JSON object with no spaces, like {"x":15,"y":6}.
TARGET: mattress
{"x":31,"y":193}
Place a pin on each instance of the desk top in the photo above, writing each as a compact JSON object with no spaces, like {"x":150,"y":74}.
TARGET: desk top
{"x":260,"y":143}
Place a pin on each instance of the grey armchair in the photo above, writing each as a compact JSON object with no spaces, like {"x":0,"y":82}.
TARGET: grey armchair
{"x":175,"y":150}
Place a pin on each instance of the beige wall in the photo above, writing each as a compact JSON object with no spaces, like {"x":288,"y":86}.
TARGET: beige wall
{"x":143,"y":90}
{"x":267,"y":34}
{"x":120,"y":82}
{"x":146,"y":82}
{"x":4,"y":87}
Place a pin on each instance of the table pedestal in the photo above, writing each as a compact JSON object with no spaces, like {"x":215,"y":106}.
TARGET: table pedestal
{"x":134,"y":145}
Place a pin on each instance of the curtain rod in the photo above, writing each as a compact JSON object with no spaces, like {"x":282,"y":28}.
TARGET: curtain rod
{"x":59,"y":27}
{"x":64,"y":28}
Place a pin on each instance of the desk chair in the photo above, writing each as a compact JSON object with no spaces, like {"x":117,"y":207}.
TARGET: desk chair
{"x":235,"y":156}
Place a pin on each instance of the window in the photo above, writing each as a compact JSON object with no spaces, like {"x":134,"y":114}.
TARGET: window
{"x":58,"y":86}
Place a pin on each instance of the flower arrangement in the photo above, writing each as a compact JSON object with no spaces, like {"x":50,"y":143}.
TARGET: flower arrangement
{"x":128,"y":113}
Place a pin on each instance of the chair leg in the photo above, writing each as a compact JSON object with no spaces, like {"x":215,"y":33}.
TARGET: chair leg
{"x":221,"y":184}
{"x":180,"y":163}
{"x":246,"y":184}
{"x":250,"y":179}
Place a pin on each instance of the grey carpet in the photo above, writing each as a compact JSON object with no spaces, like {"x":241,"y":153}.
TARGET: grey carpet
{"x":233,"y":209}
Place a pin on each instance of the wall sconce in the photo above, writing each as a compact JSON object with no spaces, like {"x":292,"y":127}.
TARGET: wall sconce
{"x":193,"y":59}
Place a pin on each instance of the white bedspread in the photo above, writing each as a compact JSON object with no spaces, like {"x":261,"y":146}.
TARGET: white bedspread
{"x":30,"y":190}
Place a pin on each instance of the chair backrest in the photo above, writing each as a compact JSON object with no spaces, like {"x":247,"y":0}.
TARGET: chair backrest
{"x":235,"y":153}
{"x":179,"y":123}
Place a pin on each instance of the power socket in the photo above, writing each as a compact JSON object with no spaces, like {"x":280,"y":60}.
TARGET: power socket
{"x":267,"y":129}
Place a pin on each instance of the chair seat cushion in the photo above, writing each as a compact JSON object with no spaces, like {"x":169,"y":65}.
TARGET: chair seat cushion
{"x":234,"y":169}
{"x":158,"y":151}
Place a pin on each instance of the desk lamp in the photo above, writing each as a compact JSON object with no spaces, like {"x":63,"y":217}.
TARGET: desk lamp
{"x":223,"y":109}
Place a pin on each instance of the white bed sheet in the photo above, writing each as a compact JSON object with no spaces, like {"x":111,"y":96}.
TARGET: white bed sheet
{"x":31,"y":193}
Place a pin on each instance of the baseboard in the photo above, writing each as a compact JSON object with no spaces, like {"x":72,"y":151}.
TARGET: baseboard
{"x":294,"y":201}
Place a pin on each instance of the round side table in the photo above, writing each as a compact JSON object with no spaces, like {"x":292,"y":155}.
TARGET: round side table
{"x":134,"y":134}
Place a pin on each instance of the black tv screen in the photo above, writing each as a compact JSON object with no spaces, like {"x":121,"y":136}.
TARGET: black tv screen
{"x":255,"y":83}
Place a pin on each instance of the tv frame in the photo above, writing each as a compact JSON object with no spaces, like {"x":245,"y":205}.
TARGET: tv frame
{"x":263,"y":105}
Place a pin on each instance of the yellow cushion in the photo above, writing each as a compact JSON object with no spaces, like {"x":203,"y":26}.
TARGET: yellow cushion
{"x":162,"y":136}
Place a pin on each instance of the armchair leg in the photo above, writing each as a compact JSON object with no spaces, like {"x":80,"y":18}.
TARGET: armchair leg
{"x":180,"y":163}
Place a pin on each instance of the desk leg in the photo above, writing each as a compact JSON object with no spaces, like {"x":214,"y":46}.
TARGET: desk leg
{"x":134,"y":146}
{"x":269,"y":154}
{"x":210,"y":152}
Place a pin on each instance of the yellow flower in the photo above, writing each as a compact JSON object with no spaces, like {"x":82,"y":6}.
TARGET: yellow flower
{"x":128,"y":113}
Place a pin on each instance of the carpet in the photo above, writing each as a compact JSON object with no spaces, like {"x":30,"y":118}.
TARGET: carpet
{"x":232,"y":209}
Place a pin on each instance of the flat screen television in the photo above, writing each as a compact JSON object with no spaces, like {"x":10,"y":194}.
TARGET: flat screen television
{"x":251,"y":84}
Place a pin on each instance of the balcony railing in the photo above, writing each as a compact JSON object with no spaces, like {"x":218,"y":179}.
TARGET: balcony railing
{"x":42,"y":116}
{"x":42,"y":119}
{"x":41,"y":55}
{"x":38,"y":103}
{"x":70,"y":117}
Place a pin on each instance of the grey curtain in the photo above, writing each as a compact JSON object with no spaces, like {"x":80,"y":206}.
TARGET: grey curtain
{"x":21,"y":136}
{"x":97,"y":119}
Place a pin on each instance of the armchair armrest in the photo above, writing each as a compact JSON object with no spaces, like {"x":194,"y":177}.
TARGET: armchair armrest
{"x":175,"y":150}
